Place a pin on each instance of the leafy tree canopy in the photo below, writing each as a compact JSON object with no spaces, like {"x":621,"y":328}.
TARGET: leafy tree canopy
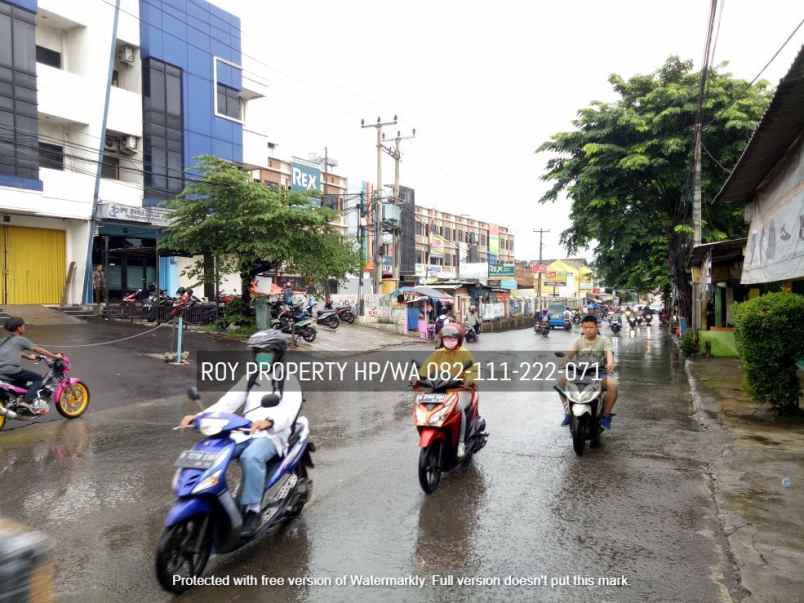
{"x":626,"y":167}
{"x":226,"y":214}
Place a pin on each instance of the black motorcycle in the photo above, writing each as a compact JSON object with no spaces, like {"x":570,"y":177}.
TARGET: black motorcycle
{"x":616,"y":325}
{"x":542,"y":328}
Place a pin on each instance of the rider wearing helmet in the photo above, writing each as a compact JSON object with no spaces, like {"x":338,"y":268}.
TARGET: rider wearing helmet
{"x":271,"y":427}
{"x":452,"y":353}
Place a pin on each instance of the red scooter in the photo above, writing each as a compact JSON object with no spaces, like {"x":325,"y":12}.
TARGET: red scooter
{"x":438,"y":420}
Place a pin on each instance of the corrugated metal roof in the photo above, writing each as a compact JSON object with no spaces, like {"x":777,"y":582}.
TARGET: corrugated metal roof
{"x":781,"y":124}
{"x":720,"y":250}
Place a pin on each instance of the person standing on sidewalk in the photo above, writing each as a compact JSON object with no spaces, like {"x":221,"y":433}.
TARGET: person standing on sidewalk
{"x":99,"y":284}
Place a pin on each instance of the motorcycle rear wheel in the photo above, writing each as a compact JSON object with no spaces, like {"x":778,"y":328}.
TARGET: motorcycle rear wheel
{"x":348,"y":317}
{"x":308,"y":334}
{"x":429,"y":470}
{"x":174,"y":552}
{"x":333,"y":322}
{"x":74,"y":401}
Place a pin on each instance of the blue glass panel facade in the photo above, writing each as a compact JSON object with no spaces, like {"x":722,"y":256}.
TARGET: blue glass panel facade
{"x":26,"y":4}
{"x":189,"y":34}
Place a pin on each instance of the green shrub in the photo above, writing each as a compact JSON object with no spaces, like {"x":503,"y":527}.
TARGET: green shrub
{"x":770,"y":340}
{"x":689,"y":343}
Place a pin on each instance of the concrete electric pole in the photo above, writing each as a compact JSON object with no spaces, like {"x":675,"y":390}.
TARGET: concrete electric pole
{"x":541,"y":231}
{"x":378,"y":200}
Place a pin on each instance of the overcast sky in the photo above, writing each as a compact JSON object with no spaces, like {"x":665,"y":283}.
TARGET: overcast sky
{"x":483,"y":84}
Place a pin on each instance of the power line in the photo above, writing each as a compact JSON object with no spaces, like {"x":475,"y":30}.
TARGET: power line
{"x":761,"y":71}
{"x":776,"y":54}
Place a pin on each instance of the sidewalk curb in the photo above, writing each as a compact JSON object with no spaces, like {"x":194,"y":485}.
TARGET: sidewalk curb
{"x":706,"y":411}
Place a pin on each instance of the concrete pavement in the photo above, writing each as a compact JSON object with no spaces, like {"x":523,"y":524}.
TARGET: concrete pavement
{"x":762,"y":514}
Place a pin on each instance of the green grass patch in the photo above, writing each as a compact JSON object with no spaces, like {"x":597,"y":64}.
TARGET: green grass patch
{"x":722,"y":343}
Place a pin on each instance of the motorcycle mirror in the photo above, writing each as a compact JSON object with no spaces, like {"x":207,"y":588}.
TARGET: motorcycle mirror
{"x":269,"y":400}
{"x":193,"y":394}
{"x":559,"y":354}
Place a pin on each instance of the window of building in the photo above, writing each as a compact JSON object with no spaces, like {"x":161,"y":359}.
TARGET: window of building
{"x":19,"y":132}
{"x":110,"y":168}
{"x":482,"y":239}
{"x":163,"y":129}
{"x":51,"y":156}
{"x":47,"y":56}
{"x":229,"y":102}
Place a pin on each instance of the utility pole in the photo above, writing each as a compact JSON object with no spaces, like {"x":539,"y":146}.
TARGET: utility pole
{"x":541,"y":231}
{"x":378,"y":199}
{"x":697,"y":226}
{"x":396,"y":153}
{"x":87,"y":295}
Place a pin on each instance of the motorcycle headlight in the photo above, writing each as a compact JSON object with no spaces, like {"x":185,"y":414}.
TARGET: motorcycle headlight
{"x":421,"y":414}
{"x":208,"y":482}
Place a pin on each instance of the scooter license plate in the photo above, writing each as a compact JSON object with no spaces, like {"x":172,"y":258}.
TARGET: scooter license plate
{"x":430,"y":398}
{"x":196,"y":459}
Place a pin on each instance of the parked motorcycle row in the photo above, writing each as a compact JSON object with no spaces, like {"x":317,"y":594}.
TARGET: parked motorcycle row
{"x":157,"y":306}
{"x":300,"y":319}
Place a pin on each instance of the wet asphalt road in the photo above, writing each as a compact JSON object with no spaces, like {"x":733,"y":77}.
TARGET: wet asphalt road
{"x":640,"y":507}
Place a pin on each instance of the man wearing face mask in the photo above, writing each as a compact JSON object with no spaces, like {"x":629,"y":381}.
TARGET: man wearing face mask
{"x":452,"y":353}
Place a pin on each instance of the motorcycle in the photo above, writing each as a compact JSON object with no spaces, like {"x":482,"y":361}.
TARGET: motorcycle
{"x":205,"y":516}
{"x":615,"y":324}
{"x":69,"y":395}
{"x":542,"y":328}
{"x":346,"y":314}
{"x":286,"y":323}
{"x":584,"y":395}
{"x":576,"y":318}
{"x":138,"y":296}
{"x":632,"y":321}
{"x":470,"y":333}
{"x":328,"y":318}
{"x":648,"y":319}
{"x":438,"y":420}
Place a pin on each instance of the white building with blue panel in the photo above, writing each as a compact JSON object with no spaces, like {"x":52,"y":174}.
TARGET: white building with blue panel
{"x":177,"y":91}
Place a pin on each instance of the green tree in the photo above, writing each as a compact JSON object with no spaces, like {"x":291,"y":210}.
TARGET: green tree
{"x":225,"y":214}
{"x":626,"y":167}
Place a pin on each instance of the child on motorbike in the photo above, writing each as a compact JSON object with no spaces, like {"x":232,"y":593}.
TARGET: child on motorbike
{"x":596,"y":350}
{"x":451,"y":354}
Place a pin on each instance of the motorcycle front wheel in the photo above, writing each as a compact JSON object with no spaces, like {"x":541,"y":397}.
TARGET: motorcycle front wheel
{"x":186,"y":545}
{"x":73,"y":401}
{"x":308,"y":334}
{"x":579,"y":430}
{"x":348,"y":317}
{"x":333,"y":322}
{"x":429,"y":468}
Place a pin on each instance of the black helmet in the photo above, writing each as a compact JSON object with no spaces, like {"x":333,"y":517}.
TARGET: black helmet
{"x":180,"y":291}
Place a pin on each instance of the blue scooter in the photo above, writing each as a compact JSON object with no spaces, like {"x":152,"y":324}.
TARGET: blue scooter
{"x":205,"y":516}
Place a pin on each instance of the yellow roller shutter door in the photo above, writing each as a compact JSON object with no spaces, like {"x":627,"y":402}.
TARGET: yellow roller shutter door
{"x":34,"y":265}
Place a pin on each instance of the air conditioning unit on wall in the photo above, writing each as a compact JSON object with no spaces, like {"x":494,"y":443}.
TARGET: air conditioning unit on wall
{"x":127,"y":54}
{"x":129,"y":145}
{"x":112,"y":144}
